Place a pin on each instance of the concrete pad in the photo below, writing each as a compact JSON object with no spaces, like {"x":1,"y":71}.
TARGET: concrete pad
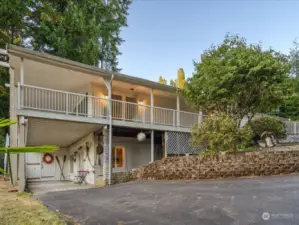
{"x":263,"y":200}
{"x":39,"y":188}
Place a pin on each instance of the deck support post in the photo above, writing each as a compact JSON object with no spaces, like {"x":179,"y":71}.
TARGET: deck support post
{"x":108,"y":84}
{"x":152,"y":106}
{"x":22,"y":142}
{"x":14,"y":127}
{"x":152,"y":145}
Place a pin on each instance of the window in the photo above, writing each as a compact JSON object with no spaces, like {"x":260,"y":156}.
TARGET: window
{"x":118,"y":157}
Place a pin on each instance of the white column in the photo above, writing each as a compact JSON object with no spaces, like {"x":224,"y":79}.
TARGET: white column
{"x":152,"y":146}
{"x":178,"y":109}
{"x":109,"y":103}
{"x":106,"y":154}
{"x":21,"y":142}
{"x":165,"y":144}
{"x":13,"y":128}
{"x":152,"y":105}
{"x":22,"y":71}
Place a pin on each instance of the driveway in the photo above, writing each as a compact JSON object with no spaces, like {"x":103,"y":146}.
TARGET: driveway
{"x":263,"y":200}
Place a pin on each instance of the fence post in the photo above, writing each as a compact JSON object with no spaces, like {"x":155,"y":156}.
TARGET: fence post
{"x":295,"y":128}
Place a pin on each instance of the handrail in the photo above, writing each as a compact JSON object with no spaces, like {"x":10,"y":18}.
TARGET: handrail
{"x":132,"y":103}
{"x":65,"y":92}
{"x":47,"y":99}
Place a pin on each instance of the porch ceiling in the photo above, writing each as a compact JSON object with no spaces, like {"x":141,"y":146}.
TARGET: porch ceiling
{"x":59,"y":78}
{"x":49,"y":76}
{"x":55,"y":132}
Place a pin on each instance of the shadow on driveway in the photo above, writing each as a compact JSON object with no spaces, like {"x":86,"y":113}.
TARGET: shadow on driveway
{"x":263,"y":200}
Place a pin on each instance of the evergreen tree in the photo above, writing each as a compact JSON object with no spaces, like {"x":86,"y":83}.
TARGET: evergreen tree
{"x":180,"y":81}
{"x":84,"y":31}
{"x":181,"y":78}
{"x":12,"y":28}
{"x":294,"y":58}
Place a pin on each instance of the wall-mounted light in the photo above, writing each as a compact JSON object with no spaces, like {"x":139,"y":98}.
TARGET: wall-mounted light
{"x":140,"y":102}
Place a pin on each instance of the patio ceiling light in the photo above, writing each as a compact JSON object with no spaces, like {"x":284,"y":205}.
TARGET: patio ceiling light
{"x":141,"y":136}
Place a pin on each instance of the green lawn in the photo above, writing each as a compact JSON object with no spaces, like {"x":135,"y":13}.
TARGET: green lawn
{"x":23,"y":209}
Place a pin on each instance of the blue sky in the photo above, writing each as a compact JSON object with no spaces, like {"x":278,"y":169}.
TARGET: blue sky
{"x":164,"y":35}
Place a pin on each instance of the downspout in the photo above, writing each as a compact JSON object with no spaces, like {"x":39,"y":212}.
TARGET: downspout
{"x":110,"y":132}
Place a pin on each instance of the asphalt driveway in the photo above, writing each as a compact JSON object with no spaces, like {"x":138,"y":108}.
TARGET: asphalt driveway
{"x":263,"y":200}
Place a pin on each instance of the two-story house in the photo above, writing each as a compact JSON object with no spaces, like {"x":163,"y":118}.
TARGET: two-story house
{"x":93,"y":115}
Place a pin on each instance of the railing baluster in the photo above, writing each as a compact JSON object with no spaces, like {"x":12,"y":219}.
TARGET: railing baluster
{"x":173,"y":118}
{"x":76,"y":104}
{"x":67,"y":103}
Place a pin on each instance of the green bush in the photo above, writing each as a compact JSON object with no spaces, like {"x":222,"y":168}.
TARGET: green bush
{"x":269,"y":125}
{"x":220,"y":133}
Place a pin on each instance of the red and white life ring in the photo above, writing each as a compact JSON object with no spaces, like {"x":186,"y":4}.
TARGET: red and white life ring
{"x":48,"y":158}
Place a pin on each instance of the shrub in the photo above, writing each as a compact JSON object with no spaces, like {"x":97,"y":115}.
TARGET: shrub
{"x":220,"y":133}
{"x":267,"y":125}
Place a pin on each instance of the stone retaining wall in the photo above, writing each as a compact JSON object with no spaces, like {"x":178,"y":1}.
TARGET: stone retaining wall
{"x":123,"y":177}
{"x":222,"y":166}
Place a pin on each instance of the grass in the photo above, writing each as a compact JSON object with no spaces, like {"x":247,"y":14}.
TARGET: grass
{"x":23,"y":209}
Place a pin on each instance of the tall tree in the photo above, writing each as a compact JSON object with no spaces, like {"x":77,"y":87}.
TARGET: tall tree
{"x":237,"y":78}
{"x":162,"y":80}
{"x":117,"y":12}
{"x":180,"y":81}
{"x":289,"y":108}
{"x":181,"y":78}
{"x":84,"y":31}
{"x":12,"y":28}
{"x":294,"y":58}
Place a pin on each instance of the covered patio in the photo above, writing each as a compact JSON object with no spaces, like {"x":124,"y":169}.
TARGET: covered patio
{"x":73,"y":138}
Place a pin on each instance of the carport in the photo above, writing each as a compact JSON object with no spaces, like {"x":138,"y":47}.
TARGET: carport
{"x":71,"y":137}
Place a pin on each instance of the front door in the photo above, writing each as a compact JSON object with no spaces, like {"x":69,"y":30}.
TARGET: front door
{"x":47,"y":167}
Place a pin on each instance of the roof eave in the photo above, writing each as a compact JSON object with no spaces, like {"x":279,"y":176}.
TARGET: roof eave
{"x":66,"y":63}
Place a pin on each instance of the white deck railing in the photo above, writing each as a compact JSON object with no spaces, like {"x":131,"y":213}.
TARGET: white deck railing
{"x":45,"y":99}
{"x":292,"y":127}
